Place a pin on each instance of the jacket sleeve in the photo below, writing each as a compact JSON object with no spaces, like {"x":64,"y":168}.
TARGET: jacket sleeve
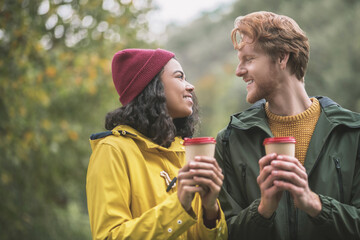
{"x":109,"y":205}
{"x":200,"y":231}
{"x":243,"y":219}
{"x":339,"y":220}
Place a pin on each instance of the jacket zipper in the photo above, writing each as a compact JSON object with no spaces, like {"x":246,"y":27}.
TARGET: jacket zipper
{"x":243,"y":176}
{"x":292,"y":216}
{"x":243,"y":173}
{"x":340,"y":181}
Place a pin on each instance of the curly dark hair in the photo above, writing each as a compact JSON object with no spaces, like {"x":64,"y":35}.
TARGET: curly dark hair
{"x":148,"y":114}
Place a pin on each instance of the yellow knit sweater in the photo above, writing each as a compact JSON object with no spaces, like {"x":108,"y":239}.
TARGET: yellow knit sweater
{"x":300,"y":126}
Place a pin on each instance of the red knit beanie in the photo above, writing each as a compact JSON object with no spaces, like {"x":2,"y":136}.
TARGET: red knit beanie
{"x":133,"y":69}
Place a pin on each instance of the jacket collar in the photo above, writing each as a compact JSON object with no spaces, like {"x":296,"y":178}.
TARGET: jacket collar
{"x":338,"y":115}
{"x":127,"y":131}
{"x":332,"y":115}
{"x":255,"y":116}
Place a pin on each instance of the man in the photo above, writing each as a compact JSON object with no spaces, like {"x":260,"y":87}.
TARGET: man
{"x":314,"y":195}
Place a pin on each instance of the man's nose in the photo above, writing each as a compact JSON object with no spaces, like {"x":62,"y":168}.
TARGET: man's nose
{"x":240,"y":71}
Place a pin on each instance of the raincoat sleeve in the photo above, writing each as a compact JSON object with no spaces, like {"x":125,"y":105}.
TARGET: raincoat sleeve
{"x":200,"y":231}
{"x":243,"y":220}
{"x":109,"y":205}
{"x":339,"y":220}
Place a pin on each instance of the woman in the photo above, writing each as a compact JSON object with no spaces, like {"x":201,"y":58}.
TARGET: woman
{"x":132,"y":170}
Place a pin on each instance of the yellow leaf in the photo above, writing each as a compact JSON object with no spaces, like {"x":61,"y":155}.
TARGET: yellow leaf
{"x":92,"y":73}
{"x":50,"y":71}
{"x":73,"y":135}
{"x":23,"y":111}
{"x":5,"y":178}
{"x":43,"y":97}
{"x":28,"y":136}
{"x":64,"y":125}
{"x":92,"y":90}
{"x":46,"y":124}
{"x":78,"y":81}
{"x":39,"y":78}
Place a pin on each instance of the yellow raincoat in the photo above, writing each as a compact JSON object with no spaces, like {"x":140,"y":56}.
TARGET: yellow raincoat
{"x":126,"y":186}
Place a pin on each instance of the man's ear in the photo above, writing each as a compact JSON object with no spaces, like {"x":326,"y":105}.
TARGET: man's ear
{"x":283,"y":59}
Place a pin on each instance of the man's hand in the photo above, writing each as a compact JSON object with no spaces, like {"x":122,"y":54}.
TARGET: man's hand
{"x":270,"y":193}
{"x":290,"y":175}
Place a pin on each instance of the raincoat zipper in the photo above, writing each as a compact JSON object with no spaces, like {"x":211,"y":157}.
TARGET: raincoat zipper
{"x":243,"y":176}
{"x":292,"y":216}
{"x":338,"y":171}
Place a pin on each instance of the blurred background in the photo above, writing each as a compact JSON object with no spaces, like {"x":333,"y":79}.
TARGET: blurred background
{"x":56,"y":86}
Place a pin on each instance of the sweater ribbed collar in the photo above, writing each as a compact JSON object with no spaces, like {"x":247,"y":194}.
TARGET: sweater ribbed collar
{"x":308,"y":113}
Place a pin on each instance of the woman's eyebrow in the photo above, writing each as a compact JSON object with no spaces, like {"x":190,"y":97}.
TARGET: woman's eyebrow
{"x":178,"y":71}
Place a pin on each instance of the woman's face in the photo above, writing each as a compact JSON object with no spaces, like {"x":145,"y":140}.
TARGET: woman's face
{"x":178,"y":91}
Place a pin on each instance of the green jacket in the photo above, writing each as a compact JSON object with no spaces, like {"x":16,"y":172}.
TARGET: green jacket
{"x":332,"y":164}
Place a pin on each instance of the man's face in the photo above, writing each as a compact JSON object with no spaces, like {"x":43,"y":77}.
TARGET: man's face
{"x":259,"y":71}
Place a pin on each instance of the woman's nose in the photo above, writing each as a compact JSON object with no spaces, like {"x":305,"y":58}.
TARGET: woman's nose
{"x":189,"y":87}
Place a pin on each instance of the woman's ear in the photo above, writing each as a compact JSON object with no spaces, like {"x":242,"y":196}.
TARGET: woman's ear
{"x":283,"y":59}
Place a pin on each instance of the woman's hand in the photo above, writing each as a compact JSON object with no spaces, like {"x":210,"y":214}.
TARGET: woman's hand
{"x":208,"y":176}
{"x":186,"y":187}
{"x":203,"y":175}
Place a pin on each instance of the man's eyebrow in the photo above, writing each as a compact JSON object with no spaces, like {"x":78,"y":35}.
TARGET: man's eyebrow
{"x":247,"y":55}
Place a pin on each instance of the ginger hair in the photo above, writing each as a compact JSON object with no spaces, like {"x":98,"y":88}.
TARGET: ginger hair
{"x":275,"y":35}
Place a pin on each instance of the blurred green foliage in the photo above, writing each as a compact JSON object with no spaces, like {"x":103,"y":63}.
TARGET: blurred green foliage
{"x":205,"y":51}
{"x":56,"y":87}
